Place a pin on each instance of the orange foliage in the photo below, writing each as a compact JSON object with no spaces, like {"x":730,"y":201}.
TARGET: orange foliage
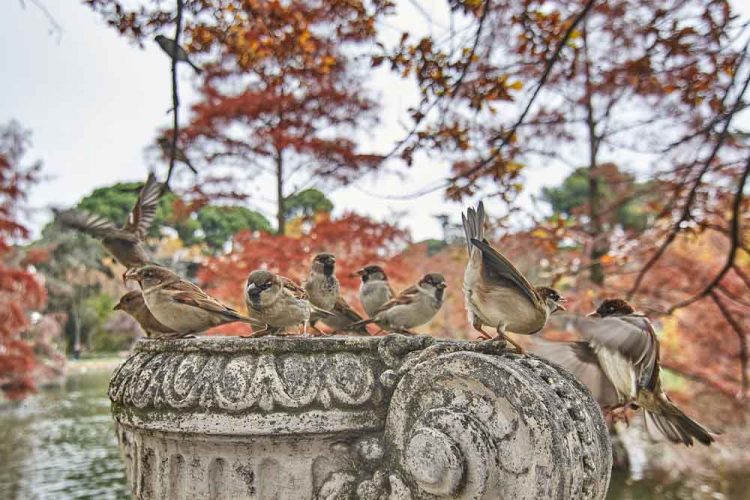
{"x":19,"y":290}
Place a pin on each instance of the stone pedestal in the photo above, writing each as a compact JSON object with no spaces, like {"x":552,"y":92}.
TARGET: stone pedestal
{"x":378,"y":418}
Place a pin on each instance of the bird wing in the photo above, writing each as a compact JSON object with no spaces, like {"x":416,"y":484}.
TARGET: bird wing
{"x":203,"y":302}
{"x":294,"y":289}
{"x":345,"y":311}
{"x":632,"y":337}
{"x":580,"y":359}
{"x":93,"y":225}
{"x":497,"y":269}
{"x":405,"y":297}
{"x":144,"y":210}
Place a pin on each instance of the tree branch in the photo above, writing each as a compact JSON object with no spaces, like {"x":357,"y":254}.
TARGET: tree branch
{"x":175,"y":96}
{"x":740,"y":336}
{"x":685,"y":216}
{"x":735,"y":240}
{"x":505,"y":138}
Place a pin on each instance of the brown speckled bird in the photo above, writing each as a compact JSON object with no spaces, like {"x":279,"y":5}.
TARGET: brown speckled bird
{"x":278,"y":302}
{"x":181,"y":305}
{"x":133,"y":304}
{"x":619,"y":362}
{"x":321,"y":285}
{"x":375,"y":289}
{"x":413,"y":307}
{"x":496,"y":293}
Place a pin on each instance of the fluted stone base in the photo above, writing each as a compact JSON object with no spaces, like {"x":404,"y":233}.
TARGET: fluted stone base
{"x":349,"y":417}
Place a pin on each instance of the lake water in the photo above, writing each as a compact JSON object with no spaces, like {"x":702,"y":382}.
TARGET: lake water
{"x":59,"y":444}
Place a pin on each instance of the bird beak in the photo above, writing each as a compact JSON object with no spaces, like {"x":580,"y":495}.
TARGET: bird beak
{"x":594,"y":315}
{"x":441,"y":286}
{"x":251,"y":287}
{"x":361,"y":272}
{"x":560,"y":307}
{"x":118,"y":307}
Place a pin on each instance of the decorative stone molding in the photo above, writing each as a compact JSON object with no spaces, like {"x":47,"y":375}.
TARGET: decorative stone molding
{"x":378,"y":418}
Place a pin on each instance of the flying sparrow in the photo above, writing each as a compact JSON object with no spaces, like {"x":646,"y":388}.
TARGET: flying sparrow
{"x":175,"y":51}
{"x":278,"y":301}
{"x":181,"y":305}
{"x":496,"y":293}
{"x":619,"y":362}
{"x":126,"y":243}
{"x":415,"y":306}
{"x":321,"y":285}
{"x":375,"y":289}
{"x":133,"y":304}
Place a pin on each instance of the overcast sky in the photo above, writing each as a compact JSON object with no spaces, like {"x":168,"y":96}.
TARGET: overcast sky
{"x":94,"y":101}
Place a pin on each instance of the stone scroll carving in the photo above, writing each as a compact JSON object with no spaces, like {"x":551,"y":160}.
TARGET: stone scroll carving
{"x":380,"y":418}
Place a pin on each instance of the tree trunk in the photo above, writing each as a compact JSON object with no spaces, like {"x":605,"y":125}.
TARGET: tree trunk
{"x":599,"y":239}
{"x":280,"y":210}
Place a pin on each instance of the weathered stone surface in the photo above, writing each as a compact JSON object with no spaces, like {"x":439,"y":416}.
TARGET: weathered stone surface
{"x":381,"y":418}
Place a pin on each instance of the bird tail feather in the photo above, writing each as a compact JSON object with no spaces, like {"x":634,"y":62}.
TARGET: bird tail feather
{"x":676,"y":426}
{"x":473,"y":223}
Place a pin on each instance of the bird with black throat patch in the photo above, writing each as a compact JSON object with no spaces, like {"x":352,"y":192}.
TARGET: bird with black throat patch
{"x":375,"y":290}
{"x":413,"y":307}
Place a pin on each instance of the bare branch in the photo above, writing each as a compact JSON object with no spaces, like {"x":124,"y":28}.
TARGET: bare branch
{"x":740,"y":336}
{"x":175,"y":95}
{"x":685,"y":216}
{"x":54,"y":26}
{"x":470,"y":58}
{"x":506,"y":137}
{"x":735,"y":237}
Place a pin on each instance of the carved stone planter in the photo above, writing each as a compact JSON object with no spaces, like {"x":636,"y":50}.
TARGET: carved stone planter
{"x":379,"y":418}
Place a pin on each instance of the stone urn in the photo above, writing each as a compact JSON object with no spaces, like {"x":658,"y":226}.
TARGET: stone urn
{"x":375,"y":418}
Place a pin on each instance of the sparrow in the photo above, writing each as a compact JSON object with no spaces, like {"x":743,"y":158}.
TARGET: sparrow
{"x":133,"y":304}
{"x":181,"y":305}
{"x":374,"y":291}
{"x":175,"y":51}
{"x":165,"y":144}
{"x":413,"y":307}
{"x":278,"y":302}
{"x":321,"y":285}
{"x":619,"y":362}
{"x":126,"y":243}
{"x":496,"y":293}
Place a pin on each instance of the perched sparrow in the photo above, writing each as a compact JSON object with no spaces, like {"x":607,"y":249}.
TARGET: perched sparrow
{"x":415,"y":306}
{"x":341,"y":318}
{"x":181,"y":305}
{"x":133,"y":304}
{"x":321,"y":285}
{"x":175,"y":51}
{"x":179,"y":154}
{"x":126,"y":243}
{"x":278,"y":301}
{"x":619,"y":362}
{"x":496,"y":293}
{"x":375,"y":289}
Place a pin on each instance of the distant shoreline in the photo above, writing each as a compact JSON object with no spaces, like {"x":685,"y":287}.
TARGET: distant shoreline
{"x":77,"y":367}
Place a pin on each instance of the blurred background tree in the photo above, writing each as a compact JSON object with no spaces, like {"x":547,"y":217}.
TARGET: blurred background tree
{"x":20,"y":291}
